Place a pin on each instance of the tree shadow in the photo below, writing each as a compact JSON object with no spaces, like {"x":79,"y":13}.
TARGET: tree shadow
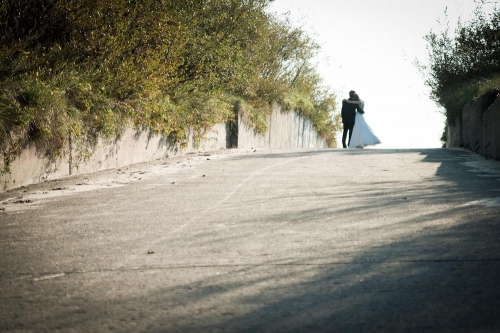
{"x":433,"y":272}
{"x":443,"y":281}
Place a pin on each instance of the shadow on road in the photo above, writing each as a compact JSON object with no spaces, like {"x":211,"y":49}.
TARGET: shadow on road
{"x":439,"y":272}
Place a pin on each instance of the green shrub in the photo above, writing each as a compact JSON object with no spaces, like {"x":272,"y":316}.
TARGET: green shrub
{"x":86,"y":69}
{"x":465,"y":66}
{"x":488,"y":91}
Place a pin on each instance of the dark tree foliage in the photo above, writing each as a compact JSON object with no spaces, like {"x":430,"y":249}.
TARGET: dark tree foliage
{"x":466,"y":65}
{"x":90,"y":67}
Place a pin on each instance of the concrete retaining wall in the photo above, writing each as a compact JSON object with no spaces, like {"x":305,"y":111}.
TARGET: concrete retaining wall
{"x":286,"y":130}
{"x":133,"y":146}
{"x":454,"y":137}
{"x":490,"y":132}
{"x":477,"y":131}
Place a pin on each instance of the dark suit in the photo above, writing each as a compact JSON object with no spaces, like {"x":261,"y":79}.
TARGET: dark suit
{"x":348,"y":116}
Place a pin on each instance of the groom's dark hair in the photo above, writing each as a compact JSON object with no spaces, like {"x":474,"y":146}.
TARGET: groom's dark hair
{"x":351,"y":93}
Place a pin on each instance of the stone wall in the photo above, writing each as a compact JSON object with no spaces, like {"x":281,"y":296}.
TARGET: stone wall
{"x":285,"y":130}
{"x":477,"y":131}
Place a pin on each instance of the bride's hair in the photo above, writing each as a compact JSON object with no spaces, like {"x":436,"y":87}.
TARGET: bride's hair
{"x":356,"y":97}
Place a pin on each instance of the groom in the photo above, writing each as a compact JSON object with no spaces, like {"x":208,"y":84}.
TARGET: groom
{"x":348,"y":114}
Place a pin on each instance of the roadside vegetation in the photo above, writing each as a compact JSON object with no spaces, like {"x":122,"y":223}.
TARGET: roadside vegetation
{"x":86,"y":69}
{"x":464,"y":65}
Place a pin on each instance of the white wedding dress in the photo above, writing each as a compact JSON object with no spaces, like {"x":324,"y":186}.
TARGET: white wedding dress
{"x":362,"y":134}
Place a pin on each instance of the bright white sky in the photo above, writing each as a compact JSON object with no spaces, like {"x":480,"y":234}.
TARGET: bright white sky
{"x":370,"y":46}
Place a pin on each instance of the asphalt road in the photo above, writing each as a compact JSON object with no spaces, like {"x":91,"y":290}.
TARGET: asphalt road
{"x":283,"y":241}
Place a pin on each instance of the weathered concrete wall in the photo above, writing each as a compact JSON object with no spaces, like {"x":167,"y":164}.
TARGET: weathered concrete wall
{"x":490,"y":130}
{"x":454,"y":134}
{"x":471,"y":126}
{"x":286,"y":130}
{"x":477,"y":131}
{"x":136,"y":146}
{"x":133,"y":146}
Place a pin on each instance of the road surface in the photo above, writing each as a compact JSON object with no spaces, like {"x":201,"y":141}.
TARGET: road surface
{"x":268,"y":241}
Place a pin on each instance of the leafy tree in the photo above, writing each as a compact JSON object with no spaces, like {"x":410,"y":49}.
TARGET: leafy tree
{"x":88,"y":68}
{"x":463,"y":65}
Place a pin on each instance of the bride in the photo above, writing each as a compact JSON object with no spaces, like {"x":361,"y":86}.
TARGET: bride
{"x":362,"y":134}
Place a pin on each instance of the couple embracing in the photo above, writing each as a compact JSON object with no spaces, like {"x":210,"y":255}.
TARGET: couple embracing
{"x":360,"y":134}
